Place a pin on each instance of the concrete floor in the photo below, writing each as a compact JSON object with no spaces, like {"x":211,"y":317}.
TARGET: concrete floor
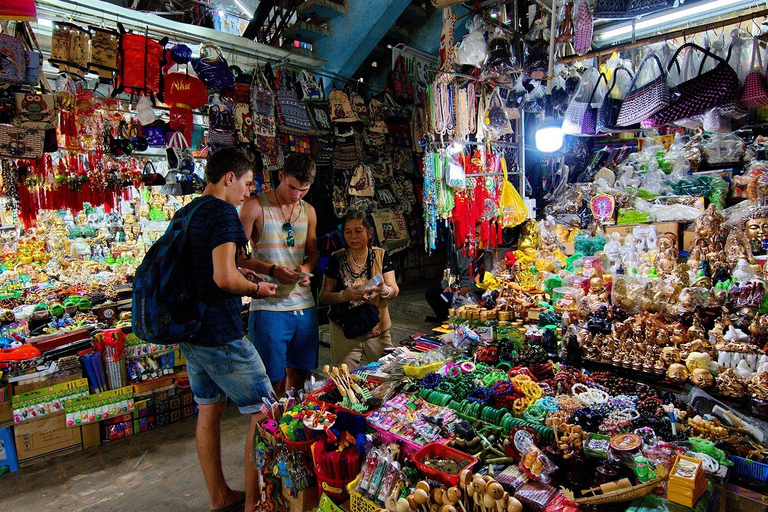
{"x":157,"y":470}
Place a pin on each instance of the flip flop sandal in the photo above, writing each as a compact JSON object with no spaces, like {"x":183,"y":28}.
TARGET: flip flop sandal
{"x":236,"y":506}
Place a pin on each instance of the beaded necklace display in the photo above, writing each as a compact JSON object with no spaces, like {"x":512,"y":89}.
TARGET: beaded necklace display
{"x":438,"y":122}
{"x":446,"y":103}
{"x":430,"y":201}
{"x":472,"y":107}
{"x":461,"y":130}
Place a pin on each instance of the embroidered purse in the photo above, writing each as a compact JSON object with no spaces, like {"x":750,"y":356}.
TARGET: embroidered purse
{"x":310,"y":89}
{"x":341,"y":108}
{"x":291,"y":112}
{"x":244,"y":123}
{"x":262,"y":105}
{"x":20,"y":143}
{"x":12,"y":60}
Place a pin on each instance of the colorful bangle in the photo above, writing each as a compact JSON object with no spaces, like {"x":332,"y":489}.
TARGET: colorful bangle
{"x":502,"y":388}
{"x":535,"y":413}
{"x":467,"y":367}
{"x":431,"y":380}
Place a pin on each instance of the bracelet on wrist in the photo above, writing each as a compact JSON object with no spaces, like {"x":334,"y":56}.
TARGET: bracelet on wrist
{"x":341,"y":296}
{"x":389,"y":292}
{"x":272,"y":270}
{"x":258,"y":288}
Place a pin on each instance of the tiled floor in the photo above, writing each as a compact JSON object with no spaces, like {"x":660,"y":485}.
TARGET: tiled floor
{"x":156,"y":470}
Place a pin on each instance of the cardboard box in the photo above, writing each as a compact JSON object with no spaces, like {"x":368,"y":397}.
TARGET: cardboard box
{"x":39,"y":439}
{"x":307,"y":499}
{"x":23,"y":388}
{"x":689,"y":236}
{"x":6,"y":408}
{"x":91,"y":435}
{"x":661,"y":227}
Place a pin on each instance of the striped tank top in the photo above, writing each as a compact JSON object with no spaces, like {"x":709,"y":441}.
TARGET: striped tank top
{"x":271,"y":247}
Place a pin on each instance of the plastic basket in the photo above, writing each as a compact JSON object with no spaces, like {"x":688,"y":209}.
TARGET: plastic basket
{"x":408,"y":447}
{"x":750,"y":468}
{"x":419,"y":372}
{"x":358,"y":503}
{"x":301,"y":446}
{"x":445,"y":452}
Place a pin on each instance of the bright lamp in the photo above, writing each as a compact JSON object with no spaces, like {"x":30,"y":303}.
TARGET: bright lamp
{"x":549,"y":135}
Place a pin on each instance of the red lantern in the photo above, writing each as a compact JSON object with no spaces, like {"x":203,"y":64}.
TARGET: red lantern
{"x":183,"y":92}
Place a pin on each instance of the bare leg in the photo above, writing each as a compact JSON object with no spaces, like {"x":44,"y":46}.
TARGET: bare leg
{"x":295,"y":378}
{"x":208,"y":441}
{"x":251,"y":484}
{"x":279,"y":387}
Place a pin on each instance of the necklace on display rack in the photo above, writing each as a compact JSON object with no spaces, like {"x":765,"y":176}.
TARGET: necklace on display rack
{"x":287,"y":227}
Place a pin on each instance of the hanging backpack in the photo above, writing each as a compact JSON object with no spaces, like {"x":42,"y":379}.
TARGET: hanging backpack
{"x":291,"y":112}
{"x":166,"y":308}
{"x":262,"y":105}
{"x":342,"y":110}
{"x":139,"y":64}
{"x":309,"y":88}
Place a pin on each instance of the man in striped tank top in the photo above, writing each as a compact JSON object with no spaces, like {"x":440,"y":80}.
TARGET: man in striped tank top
{"x":281,"y":227}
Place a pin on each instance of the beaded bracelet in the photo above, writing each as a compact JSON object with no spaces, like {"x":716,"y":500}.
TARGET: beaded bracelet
{"x":479,"y":395}
{"x":467,"y":367}
{"x":431,"y":381}
{"x":518,"y":407}
{"x":502,"y":388}
{"x":535,"y":413}
{"x":547,"y":403}
{"x":454,"y":372}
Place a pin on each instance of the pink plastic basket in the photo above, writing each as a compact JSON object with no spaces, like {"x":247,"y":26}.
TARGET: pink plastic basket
{"x":408,"y":447}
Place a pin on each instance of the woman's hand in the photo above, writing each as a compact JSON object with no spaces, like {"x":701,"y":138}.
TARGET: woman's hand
{"x":251,"y":275}
{"x":354,"y":293}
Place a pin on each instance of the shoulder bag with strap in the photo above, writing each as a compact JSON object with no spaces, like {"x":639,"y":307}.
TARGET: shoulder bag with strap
{"x":641,"y":103}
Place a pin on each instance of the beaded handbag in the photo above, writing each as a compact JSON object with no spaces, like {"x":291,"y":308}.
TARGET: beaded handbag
{"x":699,"y":94}
{"x":755,"y":92}
{"x":645,"y":101}
{"x":608,"y":112}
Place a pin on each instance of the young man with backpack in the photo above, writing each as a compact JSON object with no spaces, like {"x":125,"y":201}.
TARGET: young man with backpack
{"x":221,"y":362}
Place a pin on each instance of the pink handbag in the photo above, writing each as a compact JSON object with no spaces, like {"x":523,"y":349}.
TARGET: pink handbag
{"x":582,"y":41}
{"x":755,"y":91}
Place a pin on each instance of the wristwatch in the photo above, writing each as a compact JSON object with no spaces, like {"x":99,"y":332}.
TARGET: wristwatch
{"x":272,"y":270}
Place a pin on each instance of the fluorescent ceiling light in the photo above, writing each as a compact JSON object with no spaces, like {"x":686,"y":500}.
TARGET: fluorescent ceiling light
{"x":44,"y":22}
{"x":681,"y":14}
{"x":242,"y":7}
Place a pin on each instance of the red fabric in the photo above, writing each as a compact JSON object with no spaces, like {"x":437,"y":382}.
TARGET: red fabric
{"x":184,"y":89}
{"x":139,"y":66}
{"x":19,"y":10}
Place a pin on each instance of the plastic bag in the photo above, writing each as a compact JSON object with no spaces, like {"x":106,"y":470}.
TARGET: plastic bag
{"x":473,"y":50}
{"x":501,"y":63}
{"x":144,"y":111}
{"x":536,"y":100}
{"x":513,"y":209}
{"x":517,"y":93}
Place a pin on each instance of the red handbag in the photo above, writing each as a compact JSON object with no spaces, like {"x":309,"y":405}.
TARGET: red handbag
{"x":139,"y":62}
{"x":755,"y":92}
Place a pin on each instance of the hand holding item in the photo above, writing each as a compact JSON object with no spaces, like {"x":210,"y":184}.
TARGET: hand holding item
{"x":286,"y":275}
{"x":264,"y":290}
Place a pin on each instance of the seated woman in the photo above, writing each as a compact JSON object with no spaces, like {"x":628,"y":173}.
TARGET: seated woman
{"x":347,"y":270}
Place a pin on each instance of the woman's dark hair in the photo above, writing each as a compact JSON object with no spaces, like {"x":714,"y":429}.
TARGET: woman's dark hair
{"x":301,"y":167}
{"x":356,"y":215}
{"x":227,"y":160}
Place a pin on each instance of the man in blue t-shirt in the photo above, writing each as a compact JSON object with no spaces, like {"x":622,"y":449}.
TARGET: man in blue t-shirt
{"x":221,"y":361}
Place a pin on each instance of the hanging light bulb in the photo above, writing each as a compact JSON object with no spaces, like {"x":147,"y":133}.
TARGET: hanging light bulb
{"x":549,"y":135}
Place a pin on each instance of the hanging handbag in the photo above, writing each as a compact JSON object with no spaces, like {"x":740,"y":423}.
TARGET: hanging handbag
{"x":589,"y":121}
{"x":13,"y":59}
{"x":361,"y":182}
{"x":70,"y":48}
{"x":291,"y":112}
{"x":608,"y":112}
{"x":139,"y":142}
{"x":211,"y":67}
{"x":574,"y":117}
{"x":398,"y":82}
{"x":104,"y":48}
{"x":755,"y":91}
{"x":36,"y":110}
{"x":21,"y":143}
{"x":150,"y":176}
{"x":310,"y":89}
{"x":377,"y":113}
{"x":342,"y":110}
{"x":155,"y":134}
{"x":645,"y":101}
{"x":582,"y":41}
{"x":178,"y":155}
{"x":318,"y":115}
{"x":7,"y":106}
{"x":262,"y":105}
{"x":361,"y":109}
{"x":244,"y":131}
{"x":139,"y":64}
{"x":698,"y":95}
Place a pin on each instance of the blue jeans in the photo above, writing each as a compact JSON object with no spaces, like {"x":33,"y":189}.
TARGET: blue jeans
{"x":233,"y":370}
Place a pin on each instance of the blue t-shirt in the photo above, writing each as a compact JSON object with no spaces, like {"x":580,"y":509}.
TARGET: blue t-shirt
{"x":215,"y":223}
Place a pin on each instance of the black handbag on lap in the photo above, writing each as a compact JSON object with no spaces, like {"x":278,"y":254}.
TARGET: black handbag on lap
{"x":354,"y":321}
